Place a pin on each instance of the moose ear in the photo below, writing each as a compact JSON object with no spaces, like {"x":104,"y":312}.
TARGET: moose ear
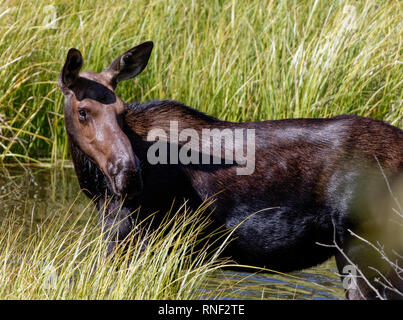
{"x":70,"y":70}
{"x":129,"y":64}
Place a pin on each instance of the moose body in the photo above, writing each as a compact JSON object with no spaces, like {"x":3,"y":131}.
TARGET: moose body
{"x":314,"y":180}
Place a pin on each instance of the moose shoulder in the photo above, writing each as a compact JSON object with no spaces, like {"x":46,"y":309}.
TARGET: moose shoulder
{"x":292,"y":187}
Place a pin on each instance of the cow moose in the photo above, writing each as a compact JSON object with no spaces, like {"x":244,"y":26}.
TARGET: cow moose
{"x":314,"y":183}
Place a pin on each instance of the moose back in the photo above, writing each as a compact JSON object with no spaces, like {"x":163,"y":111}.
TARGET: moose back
{"x":293,"y":188}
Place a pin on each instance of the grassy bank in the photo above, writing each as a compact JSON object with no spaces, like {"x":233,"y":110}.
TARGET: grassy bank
{"x":237,"y":60}
{"x":60,"y":258}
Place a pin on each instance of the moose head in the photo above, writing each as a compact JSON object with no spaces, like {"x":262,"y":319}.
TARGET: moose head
{"x":93,"y":115}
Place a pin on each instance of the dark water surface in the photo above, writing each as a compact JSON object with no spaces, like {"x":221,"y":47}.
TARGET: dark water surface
{"x":37,"y":193}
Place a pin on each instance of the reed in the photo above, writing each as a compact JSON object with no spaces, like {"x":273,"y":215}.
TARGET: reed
{"x":236,"y":60}
{"x":63,"y":258}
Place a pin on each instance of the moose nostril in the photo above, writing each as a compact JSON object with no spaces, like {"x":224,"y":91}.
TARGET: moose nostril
{"x":124,"y":176}
{"x":112,"y":169}
{"x":115,"y":167}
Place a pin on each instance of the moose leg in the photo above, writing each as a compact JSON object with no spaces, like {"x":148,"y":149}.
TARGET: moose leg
{"x":115,"y":222}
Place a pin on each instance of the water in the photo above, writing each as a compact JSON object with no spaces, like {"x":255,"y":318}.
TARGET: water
{"x":36,"y":193}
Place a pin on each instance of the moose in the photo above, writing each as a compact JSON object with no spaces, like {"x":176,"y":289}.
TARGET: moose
{"x":314,"y":185}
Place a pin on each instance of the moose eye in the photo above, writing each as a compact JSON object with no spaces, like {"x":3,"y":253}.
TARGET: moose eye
{"x":82,"y":114}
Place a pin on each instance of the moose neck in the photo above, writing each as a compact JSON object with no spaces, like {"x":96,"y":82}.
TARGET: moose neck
{"x":156,"y":114}
{"x":170,"y":123}
{"x":175,"y":125}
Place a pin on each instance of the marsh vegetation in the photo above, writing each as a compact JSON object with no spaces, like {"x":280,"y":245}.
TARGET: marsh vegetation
{"x":235,"y":60}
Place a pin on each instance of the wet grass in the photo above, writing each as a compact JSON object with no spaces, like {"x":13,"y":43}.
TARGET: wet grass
{"x":60,"y":258}
{"x":235,"y":60}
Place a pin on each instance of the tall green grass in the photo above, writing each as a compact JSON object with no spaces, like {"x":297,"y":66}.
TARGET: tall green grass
{"x":237,"y":60}
{"x":59,"y":258}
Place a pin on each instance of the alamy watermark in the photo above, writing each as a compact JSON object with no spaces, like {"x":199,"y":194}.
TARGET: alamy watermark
{"x":52,"y":277}
{"x":50,"y":21}
{"x":210,"y":146}
{"x":349,"y":277}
